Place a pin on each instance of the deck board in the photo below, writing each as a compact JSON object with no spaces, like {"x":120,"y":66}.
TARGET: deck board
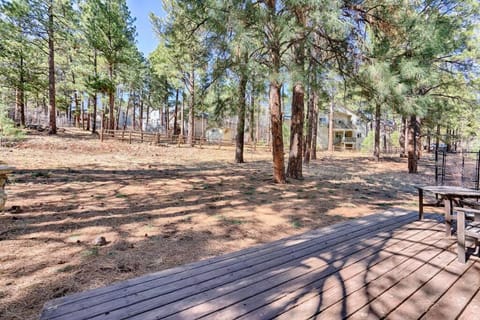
{"x":165,"y":277}
{"x":383,"y":265}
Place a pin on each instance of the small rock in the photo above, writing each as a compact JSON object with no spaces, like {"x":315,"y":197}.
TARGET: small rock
{"x":99,"y":241}
{"x":146,"y":235}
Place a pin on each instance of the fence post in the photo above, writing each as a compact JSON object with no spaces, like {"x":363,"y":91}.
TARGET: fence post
{"x":478,"y":170}
{"x":444,"y":163}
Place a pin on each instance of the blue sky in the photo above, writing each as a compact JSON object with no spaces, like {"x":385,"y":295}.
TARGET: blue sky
{"x":146,"y":39}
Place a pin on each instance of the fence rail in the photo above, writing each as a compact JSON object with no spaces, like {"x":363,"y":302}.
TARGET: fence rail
{"x":156,"y":138}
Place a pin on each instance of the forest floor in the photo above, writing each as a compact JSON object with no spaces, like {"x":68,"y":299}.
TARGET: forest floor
{"x":160,"y":207}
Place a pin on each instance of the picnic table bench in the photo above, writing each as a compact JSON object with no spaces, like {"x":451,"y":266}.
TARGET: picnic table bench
{"x":447,"y":197}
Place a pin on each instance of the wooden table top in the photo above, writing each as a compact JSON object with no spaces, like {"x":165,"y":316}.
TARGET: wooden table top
{"x":451,"y":190}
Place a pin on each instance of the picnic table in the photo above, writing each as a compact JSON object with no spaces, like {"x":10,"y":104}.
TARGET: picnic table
{"x":447,"y":197}
{"x":4,"y":171}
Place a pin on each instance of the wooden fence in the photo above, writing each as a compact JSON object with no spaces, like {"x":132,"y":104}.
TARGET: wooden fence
{"x":155,"y":138}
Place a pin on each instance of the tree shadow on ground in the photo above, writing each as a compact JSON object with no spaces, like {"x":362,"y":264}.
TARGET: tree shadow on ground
{"x":331,"y":273}
{"x":158,"y":210}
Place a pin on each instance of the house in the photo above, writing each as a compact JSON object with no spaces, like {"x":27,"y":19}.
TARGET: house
{"x":348,"y":129}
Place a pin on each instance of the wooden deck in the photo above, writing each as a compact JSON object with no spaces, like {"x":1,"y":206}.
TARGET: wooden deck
{"x":385,"y":265}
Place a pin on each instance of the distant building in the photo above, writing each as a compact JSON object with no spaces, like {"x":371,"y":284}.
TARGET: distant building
{"x":348,"y":129}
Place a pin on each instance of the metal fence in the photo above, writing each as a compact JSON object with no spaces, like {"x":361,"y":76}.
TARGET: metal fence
{"x":457,"y":169}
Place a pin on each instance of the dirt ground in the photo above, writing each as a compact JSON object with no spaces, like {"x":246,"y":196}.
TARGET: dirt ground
{"x":159,"y":207}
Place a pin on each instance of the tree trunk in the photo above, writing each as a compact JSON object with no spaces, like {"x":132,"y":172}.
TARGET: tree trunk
{"x":330,"y":127}
{"x":134,"y":105}
{"x":242,"y":87}
{"x":175,"y":126}
{"x":376,"y":147}
{"x":20,"y":106}
{"x":94,"y":113}
{"x":182,"y":118}
{"x":401,"y":139}
{"x":191,"y":113}
{"x":294,"y":168}
{"x":277,"y":135}
{"x":78,"y":111}
{"x":119,"y":110}
{"x":141,"y":115}
{"x":147,"y":120}
{"x":313,"y":151}
{"x":308,"y":135}
{"x":126,"y":113}
{"x":405,"y":140}
{"x":252,"y":117}
{"x":20,"y":97}
{"x":412,"y":145}
{"x":111,"y":99}
{"x":437,"y":138}
{"x":51,"y":72}
{"x":88,"y":113}
{"x":167,"y":115}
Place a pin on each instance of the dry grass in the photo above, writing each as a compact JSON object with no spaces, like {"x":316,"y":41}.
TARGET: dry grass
{"x":159,"y":207}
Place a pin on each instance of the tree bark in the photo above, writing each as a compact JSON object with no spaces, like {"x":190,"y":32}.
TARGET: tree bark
{"x":376,"y":147}
{"x":240,"y":138}
{"x":277,"y":134}
{"x":275,"y":104}
{"x":294,"y":168}
{"x":412,"y":145}
{"x":51,"y":72}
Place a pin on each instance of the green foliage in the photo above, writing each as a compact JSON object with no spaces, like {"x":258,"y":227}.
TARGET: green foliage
{"x":368,"y":142}
{"x":395,"y":139}
{"x":7,"y":126}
